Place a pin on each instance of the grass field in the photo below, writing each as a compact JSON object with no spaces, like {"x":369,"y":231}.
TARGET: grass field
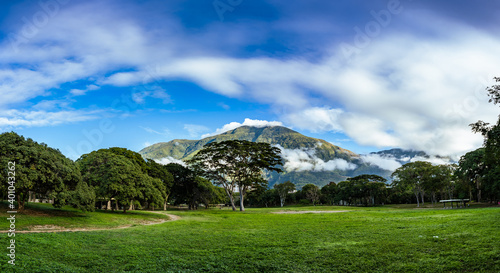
{"x":382,"y":239}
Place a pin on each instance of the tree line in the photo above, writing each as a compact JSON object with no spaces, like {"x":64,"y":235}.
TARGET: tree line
{"x":233,"y":172}
{"x":114,"y":178}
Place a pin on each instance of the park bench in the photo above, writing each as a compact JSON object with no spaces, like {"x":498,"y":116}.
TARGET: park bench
{"x":461,"y":202}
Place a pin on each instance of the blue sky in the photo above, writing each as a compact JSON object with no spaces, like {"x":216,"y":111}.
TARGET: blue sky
{"x":364,"y":75}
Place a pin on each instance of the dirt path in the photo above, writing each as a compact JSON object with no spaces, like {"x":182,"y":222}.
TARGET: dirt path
{"x":53,"y":228}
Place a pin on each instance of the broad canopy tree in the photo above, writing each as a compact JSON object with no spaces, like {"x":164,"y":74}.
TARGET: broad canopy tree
{"x":236,"y":164}
{"x":283,"y":190}
{"x":413,"y":176}
{"x":43,"y":171}
{"x":115,"y":175}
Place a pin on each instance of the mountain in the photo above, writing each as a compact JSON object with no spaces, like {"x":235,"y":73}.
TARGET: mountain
{"x":307,"y":159}
{"x":275,"y":135}
{"x":406,"y":156}
{"x":401,"y":155}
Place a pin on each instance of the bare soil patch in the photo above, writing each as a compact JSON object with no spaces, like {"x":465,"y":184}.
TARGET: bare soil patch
{"x":54,"y":228}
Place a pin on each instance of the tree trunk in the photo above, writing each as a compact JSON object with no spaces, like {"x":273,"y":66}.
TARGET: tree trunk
{"x":242,"y":208}
{"x":478,"y":186}
{"x":108,"y":206}
{"x":282,"y":201}
{"x":20,"y":202}
{"x":165,"y":204}
{"x":416,"y":195}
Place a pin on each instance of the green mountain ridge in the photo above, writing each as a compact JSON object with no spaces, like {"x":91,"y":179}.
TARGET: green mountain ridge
{"x":311,"y":149}
{"x":275,"y":135}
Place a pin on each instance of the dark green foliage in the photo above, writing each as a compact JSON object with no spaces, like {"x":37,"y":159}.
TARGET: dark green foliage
{"x":312,"y":193}
{"x":328,"y":193}
{"x":284,"y":189}
{"x":117,"y":177}
{"x":162,"y":175}
{"x":489,"y":166}
{"x":413,"y":177}
{"x":188,"y":188}
{"x":41,"y":170}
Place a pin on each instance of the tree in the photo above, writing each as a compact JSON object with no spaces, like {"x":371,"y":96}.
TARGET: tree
{"x":191,"y":189}
{"x":345,"y":192}
{"x":491,"y":160}
{"x":369,"y":187}
{"x":329,"y":192}
{"x":312,"y":193}
{"x":412,"y":176}
{"x":113,"y":177}
{"x":236,"y":163}
{"x":39,"y":170}
{"x":159,"y":171}
{"x":283,"y":190}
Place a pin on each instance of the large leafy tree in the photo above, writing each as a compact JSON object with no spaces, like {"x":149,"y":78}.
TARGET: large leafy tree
{"x":153,"y":190}
{"x":491,"y":160}
{"x":41,"y":170}
{"x":185,"y":186}
{"x":160,"y":172}
{"x":283,"y":190}
{"x":371,"y":188}
{"x":413,"y":176}
{"x":114,"y":177}
{"x":329,"y":192}
{"x":312,"y":193}
{"x":236,"y":164}
{"x":441,"y":181}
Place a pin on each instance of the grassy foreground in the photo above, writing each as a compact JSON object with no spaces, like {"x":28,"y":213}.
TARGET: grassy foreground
{"x":384,"y":239}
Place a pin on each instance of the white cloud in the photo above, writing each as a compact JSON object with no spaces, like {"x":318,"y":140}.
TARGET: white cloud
{"x":433,"y":159}
{"x":164,"y":132}
{"x":81,"y":92}
{"x":156,"y":92}
{"x":16,"y":118}
{"x":316,"y":119}
{"x":247,"y":122}
{"x":300,"y":160}
{"x":168,"y":160}
{"x":383,"y":162}
{"x":390,"y":163}
{"x":403,"y":89}
{"x":195,"y":130}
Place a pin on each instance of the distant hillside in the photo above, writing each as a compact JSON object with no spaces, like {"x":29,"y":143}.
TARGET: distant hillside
{"x":307,"y":159}
{"x":402,"y":155}
{"x":286,"y":138}
{"x":406,"y":156}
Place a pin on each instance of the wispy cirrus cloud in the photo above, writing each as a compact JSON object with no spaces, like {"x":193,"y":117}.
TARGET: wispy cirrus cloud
{"x":16,"y":118}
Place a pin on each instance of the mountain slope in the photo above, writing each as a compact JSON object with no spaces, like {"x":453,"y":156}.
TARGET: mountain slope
{"x":275,"y":135}
{"x":307,"y":159}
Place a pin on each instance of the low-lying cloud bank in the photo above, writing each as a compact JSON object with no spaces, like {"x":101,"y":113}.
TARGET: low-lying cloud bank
{"x":391,"y":163}
{"x":299,"y":160}
{"x":384,"y":162}
{"x":167,"y":160}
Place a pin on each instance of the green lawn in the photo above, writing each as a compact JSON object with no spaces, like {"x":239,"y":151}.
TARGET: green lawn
{"x":382,"y":239}
{"x":37,"y":215}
